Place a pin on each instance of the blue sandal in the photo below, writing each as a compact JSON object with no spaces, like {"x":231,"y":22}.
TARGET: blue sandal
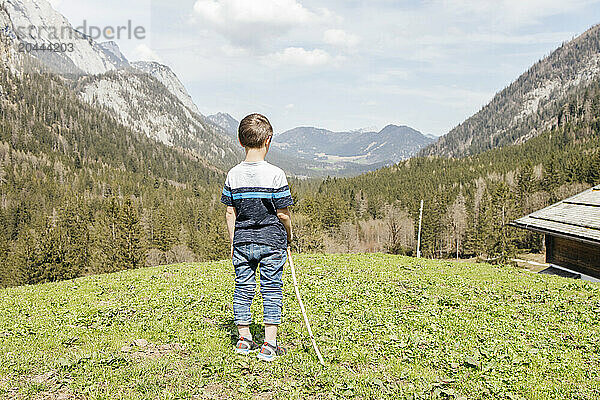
{"x":245,"y":346}
{"x":268,"y":352}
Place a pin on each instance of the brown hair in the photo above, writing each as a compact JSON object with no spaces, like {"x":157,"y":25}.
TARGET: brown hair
{"x":254,"y":130}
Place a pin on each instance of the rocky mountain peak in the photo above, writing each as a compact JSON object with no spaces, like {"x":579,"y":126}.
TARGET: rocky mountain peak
{"x":167,"y":77}
{"x":36,"y":22}
{"x":529,"y":105}
{"x":112,"y":50}
{"x":226,"y":121}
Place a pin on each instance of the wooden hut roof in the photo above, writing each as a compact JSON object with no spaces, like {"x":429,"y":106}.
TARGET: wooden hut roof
{"x":576,"y":218}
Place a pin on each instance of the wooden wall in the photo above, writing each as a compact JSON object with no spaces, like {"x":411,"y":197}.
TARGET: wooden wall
{"x":577,"y":256}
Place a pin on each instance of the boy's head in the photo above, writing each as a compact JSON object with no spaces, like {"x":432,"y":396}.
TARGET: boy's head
{"x":254,"y":131}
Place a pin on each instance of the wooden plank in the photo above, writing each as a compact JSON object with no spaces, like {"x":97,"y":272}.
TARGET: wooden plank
{"x":548,"y":240}
{"x":577,"y":256}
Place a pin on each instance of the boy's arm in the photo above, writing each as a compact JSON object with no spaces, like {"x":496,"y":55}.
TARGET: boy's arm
{"x":230,"y":216}
{"x":286,"y":219}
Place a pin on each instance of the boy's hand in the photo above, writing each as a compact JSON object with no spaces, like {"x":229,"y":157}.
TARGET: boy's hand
{"x":286,"y":219}
{"x":230,"y":217}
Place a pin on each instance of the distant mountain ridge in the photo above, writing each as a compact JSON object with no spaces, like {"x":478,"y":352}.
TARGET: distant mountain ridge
{"x":323,"y":152}
{"x":388,"y":146}
{"x":288,"y":161}
{"x":529,"y":105}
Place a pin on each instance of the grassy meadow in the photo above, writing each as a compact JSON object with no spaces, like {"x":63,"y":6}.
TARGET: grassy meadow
{"x":388,"y":326}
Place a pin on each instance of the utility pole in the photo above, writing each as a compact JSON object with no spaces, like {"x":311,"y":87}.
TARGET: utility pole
{"x":457,"y":246}
{"x":419,"y":237}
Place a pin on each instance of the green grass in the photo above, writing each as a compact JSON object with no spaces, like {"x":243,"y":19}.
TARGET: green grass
{"x":388,"y":327}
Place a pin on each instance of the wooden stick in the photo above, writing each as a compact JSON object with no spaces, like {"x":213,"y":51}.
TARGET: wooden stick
{"x":419,"y":239}
{"x":310,"y":334}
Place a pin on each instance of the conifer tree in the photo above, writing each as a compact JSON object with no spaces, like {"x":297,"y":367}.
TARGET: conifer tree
{"x":131,"y":248}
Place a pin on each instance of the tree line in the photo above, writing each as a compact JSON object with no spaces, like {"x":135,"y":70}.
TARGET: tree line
{"x":468,"y":201}
{"x":82,"y":194}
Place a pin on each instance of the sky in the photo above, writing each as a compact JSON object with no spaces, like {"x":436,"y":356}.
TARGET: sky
{"x":343,"y":64}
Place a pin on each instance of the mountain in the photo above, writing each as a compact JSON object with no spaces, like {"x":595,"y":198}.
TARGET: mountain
{"x":142,"y":102}
{"x":87,"y":57}
{"x":146,"y":96}
{"x":307,"y":151}
{"x":388,"y":146}
{"x":227,"y":122}
{"x":168,"y":78}
{"x":149,"y":98}
{"x":289,"y":161}
{"x":111,"y":49}
{"x":532,"y":104}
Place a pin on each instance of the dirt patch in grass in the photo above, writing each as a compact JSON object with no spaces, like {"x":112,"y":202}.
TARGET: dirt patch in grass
{"x":57,"y":387}
{"x":215,"y":391}
{"x":60,"y":394}
{"x":142,"y":349}
{"x":7,"y":390}
{"x":263,"y":396}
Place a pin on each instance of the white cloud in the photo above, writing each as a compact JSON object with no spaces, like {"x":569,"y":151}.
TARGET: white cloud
{"x":234,"y":51}
{"x":426,"y":54}
{"x":387,"y":75}
{"x":145,"y":53}
{"x":271,"y":12}
{"x":247,"y":22}
{"x":300,"y":57}
{"x":457,"y":37}
{"x":447,"y":95}
{"x":437,"y":29}
{"x":512,"y":12}
{"x":402,"y":57}
{"x":339,"y":37}
{"x":289,"y":106}
{"x":369,"y":103}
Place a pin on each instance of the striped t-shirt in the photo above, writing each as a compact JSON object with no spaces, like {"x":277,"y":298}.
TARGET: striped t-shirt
{"x":257,"y":190}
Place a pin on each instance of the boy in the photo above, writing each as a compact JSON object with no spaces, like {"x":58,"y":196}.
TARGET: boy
{"x":257,"y":197}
